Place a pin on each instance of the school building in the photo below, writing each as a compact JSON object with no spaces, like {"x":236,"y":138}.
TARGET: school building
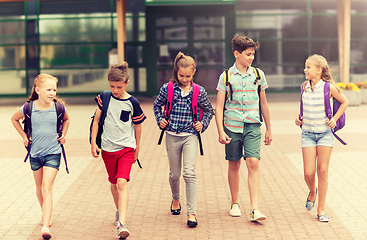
{"x":77,"y":40}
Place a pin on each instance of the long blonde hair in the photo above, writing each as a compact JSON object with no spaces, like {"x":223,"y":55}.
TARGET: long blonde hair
{"x":38,"y":81}
{"x":321,"y":62}
{"x":183,"y":61}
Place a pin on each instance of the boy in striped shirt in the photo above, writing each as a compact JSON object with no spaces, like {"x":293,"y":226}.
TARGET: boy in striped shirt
{"x":238,"y":122}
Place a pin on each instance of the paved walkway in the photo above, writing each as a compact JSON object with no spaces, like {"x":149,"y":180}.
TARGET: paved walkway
{"x":84,"y":209}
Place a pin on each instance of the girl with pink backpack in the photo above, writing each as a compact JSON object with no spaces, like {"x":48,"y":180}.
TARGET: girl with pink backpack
{"x":182,"y":122}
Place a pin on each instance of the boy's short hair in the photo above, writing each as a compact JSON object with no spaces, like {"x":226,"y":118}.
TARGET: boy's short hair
{"x":241,"y":43}
{"x":119,"y":72}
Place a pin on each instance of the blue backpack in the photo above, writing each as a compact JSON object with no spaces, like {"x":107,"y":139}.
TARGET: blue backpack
{"x":60,"y":111}
{"x":329,"y":113}
{"x":106,"y":96}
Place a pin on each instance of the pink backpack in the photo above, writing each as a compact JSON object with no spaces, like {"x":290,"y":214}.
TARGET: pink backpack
{"x":197,"y":116}
{"x":197,"y":112}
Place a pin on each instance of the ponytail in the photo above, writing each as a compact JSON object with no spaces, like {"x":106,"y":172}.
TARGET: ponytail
{"x":34,"y":95}
{"x":182,"y":60}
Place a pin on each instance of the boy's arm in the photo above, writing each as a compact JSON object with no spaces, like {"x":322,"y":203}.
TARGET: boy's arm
{"x":15,"y":121}
{"x":266,"y":115}
{"x":223,"y":137}
{"x":137,"y":129}
{"x":94,"y":148}
{"x":65,"y":127}
{"x":208,"y":110}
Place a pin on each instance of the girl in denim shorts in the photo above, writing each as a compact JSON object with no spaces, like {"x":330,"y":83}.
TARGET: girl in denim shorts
{"x":317,"y":138}
{"x":45,"y":152}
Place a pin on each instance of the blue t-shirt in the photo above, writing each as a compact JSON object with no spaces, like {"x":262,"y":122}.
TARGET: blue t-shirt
{"x":44,"y":134}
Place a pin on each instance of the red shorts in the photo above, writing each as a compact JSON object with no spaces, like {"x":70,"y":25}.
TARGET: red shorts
{"x":118,"y":164}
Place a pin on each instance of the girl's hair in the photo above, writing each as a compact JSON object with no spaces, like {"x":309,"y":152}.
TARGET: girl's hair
{"x":241,"y":43}
{"x":119,"y":72}
{"x":38,"y":81}
{"x":322,"y":63}
{"x":183,"y":61}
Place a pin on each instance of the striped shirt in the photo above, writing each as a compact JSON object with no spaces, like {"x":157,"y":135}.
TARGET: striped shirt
{"x":244,"y":108}
{"x":314,"y":117}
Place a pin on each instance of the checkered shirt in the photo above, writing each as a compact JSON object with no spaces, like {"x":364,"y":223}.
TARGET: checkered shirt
{"x":181,"y":119}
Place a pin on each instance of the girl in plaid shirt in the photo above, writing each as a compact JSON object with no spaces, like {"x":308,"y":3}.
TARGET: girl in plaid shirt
{"x":181,"y":139}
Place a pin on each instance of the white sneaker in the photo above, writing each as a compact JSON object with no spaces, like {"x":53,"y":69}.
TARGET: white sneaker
{"x":235,"y":210}
{"x":122,"y":231}
{"x":256,"y":215}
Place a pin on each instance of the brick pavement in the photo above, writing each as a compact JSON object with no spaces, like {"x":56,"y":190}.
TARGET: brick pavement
{"x":83,"y":206}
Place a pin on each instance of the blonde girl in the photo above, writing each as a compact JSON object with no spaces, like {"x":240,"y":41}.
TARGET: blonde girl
{"x":45,"y":153}
{"x":317,"y":138}
{"x":181,"y":139}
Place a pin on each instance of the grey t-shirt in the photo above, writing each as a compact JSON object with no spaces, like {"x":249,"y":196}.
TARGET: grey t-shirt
{"x":44,"y":134}
{"x":118,"y":128}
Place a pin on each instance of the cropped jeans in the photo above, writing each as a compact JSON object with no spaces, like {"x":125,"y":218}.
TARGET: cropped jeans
{"x":182,"y":151}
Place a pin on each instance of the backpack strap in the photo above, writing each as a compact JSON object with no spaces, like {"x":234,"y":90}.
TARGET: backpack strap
{"x":103,"y":101}
{"x":168,"y":107}
{"x":301,"y":103}
{"x":195,"y":99}
{"x":27,"y":110}
{"x":258,"y":82}
{"x":258,"y":75}
{"x":328,"y":110}
{"x":195,"y":111}
{"x":60,"y":111}
{"x":228,"y":85}
{"x":106,"y":97}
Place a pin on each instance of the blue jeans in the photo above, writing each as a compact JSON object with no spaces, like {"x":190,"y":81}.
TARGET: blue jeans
{"x":310,"y":139}
{"x":51,"y":160}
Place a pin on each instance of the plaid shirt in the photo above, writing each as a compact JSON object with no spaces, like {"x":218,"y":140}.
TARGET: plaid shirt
{"x":180,"y":119}
{"x":244,"y":108}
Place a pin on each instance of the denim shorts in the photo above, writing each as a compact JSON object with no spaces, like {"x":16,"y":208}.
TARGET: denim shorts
{"x":310,"y":139}
{"x":52,"y":160}
{"x":245,"y":144}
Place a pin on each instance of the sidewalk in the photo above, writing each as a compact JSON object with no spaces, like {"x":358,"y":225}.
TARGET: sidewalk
{"x":84,"y":209}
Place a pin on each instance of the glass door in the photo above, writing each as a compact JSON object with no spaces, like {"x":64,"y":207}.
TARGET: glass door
{"x":203,"y":32}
